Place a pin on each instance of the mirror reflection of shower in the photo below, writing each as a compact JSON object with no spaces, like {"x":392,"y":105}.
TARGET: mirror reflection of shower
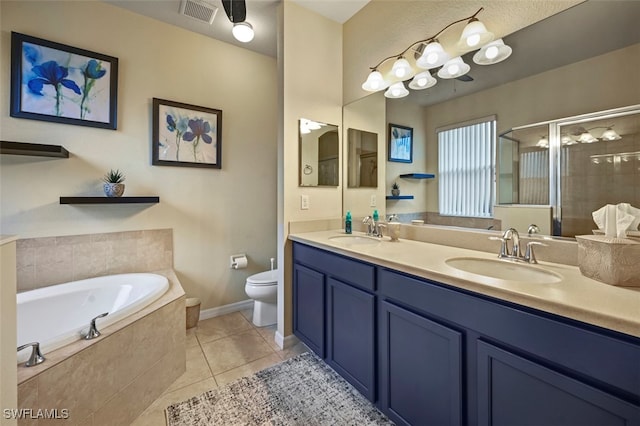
{"x":362,"y":169}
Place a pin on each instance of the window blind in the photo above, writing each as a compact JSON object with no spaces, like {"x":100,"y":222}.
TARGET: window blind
{"x":466,"y":167}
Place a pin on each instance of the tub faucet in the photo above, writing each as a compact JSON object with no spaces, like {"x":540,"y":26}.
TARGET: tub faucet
{"x":36,"y":356}
{"x":93,"y":330}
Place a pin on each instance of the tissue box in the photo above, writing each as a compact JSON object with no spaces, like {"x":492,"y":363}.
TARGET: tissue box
{"x":614,"y":261}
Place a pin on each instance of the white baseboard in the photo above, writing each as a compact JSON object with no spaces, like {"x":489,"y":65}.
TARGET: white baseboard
{"x":285,"y":342}
{"x":226,"y":309}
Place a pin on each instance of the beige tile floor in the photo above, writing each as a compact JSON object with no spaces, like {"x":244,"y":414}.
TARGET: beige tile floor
{"x":219,"y":351}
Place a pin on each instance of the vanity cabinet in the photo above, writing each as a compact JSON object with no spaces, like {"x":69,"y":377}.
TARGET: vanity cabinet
{"x":442,"y":355}
{"x":334,"y":313}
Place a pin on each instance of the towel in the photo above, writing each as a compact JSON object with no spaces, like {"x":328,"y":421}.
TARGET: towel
{"x":616,"y":220}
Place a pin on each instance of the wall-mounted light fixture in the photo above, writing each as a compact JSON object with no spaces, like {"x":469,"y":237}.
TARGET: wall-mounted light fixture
{"x":243,"y":32}
{"x":429,"y":54}
{"x":585,"y":135}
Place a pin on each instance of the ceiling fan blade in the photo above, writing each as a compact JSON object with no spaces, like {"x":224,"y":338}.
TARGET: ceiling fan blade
{"x":236,"y":10}
{"x":465,"y":77}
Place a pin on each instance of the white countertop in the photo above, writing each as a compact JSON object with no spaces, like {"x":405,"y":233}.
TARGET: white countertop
{"x":575,"y":296}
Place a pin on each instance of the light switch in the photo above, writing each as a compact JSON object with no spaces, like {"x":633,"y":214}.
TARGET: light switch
{"x":304,"y":202}
{"x":372,"y":203}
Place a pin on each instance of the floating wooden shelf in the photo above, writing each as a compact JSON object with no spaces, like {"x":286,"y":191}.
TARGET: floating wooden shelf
{"x":418,"y":176}
{"x":33,"y":149}
{"x":399,"y":197}
{"x":109,"y":200}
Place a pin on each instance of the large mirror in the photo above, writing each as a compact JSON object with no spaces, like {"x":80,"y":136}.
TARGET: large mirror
{"x":362,"y":159}
{"x":319,"y":149}
{"x":553,"y":73}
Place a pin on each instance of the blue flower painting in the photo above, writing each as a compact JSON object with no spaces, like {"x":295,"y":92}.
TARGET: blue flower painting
{"x":59,"y":83}
{"x":186,"y":135}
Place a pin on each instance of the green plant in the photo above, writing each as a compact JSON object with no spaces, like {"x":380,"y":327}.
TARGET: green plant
{"x":395,"y":186}
{"x":114,"y":177}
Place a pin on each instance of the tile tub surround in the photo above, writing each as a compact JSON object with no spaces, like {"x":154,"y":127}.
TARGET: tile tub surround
{"x":47,"y":261}
{"x":112,"y":379}
{"x":575,"y":296}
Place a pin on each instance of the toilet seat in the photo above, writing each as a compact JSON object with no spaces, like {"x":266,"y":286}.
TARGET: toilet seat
{"x":264,"y":278}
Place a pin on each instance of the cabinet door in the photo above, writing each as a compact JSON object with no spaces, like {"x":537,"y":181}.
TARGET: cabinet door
{"x":350,"y":335}
{"x":309,"y":308}
{"x":420,"y":369}
{"x":514,"y":390}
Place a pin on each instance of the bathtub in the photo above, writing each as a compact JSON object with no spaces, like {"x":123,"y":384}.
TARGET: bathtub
{"x":58,"y":315}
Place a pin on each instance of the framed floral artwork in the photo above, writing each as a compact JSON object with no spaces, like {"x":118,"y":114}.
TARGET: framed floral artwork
{"x":186,"y":135}
{"x":62,"y":84}
{"x":400,"y":143}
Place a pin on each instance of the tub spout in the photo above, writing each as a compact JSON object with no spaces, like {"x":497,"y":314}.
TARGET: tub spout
{"x":93,"y":330}
{"x":36,"y":356}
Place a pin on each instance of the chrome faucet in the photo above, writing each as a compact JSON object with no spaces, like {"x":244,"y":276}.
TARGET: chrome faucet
{"x":533,"y":229}
{"x":373,"y":227}
{"x":36,"y":356}
{"x":511,"y":234}
{"x":93,"y":330}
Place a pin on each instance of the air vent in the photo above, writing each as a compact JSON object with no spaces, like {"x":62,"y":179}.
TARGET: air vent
{"x":200,"y":10}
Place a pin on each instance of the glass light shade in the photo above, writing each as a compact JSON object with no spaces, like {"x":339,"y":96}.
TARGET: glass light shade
{"x":567,"y":140}
{"x":243,"y":32}
{"x":433,"y":56}
{"x":587,"y":137}
{"x":543,"y":142}
{"x":396,"y":90}
{"x":492,"y":53}
{"x":610,"y":135}
{"x":474,"y":35}
{"x":402,"y":69}
{"x":422,"y":80}
{"x":454,"y":68}
{"x":375,"y":82}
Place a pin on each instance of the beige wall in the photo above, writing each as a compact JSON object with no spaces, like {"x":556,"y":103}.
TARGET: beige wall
{"x":309,"y":56}
{"x":603,"y":82}
{"x":8,"y":353}
{"x":213,"y":213}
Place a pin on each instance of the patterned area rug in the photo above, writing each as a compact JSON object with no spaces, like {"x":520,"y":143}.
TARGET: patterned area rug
{"x":300,"y":391}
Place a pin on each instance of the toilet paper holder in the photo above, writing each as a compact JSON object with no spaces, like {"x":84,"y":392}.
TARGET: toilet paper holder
{"x":238,"y":261}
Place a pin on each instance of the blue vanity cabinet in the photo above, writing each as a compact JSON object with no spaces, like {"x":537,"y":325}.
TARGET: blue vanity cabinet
{"x":420,"y":369}
{"x":519,"y":366}
{"x":334,"y":313}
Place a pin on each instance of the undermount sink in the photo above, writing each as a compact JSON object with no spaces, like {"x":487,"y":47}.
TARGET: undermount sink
{"x":503,"y":270}
{"x":354,"y":239}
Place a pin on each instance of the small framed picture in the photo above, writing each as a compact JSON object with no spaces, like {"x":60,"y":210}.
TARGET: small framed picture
{"x":186,"y":135}
{"x":400,"y":143}
{"x":62,"y":84}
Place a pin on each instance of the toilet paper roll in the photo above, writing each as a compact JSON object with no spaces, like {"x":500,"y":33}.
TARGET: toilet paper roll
{"x":240,"y":262}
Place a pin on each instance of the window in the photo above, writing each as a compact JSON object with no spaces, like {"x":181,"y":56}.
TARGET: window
{"x":466,"y":167}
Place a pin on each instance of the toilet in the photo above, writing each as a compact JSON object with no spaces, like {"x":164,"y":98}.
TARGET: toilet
{"x":263,"y":289}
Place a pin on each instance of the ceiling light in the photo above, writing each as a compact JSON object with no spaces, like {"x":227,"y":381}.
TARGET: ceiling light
{"x":454,"y":68}
{"x":396,"y":90}
{"x":243,"y":32}
{"x":492,"y":53}
{"x":543,"y":142}
{"x":374,"y":82}
{"x":422,"y":80}
{"x":402,"y":69}
{"x":586,"y":137}
{"x":433,"y":56}
{"x":474,"y":35}
{"x":610,"y":135}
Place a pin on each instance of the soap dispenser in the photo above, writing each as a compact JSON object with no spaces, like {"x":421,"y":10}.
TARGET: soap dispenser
{"x":376,"y":217}
{"x":347,"y":223}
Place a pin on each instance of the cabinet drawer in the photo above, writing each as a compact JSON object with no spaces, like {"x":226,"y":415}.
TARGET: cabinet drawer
{"x":347,"y":270}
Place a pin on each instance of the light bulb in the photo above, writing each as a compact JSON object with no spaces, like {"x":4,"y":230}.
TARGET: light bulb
{"x":243,"y":32}
{"x":432,"y":58}
{"x":422,"y":82}
{"x":453,"y":68}
{"x":492,"y":52}
{"x":473,"y":40}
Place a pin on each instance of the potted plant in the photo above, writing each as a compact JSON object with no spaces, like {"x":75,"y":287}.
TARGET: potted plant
{"x":113,"y":186}
{"x":395,"y":189}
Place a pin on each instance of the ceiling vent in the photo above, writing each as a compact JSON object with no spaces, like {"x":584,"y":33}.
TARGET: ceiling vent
{"x":198,"y":9}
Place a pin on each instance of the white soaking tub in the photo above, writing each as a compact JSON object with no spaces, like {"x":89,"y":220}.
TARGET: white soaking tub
{"x":60,"y":314}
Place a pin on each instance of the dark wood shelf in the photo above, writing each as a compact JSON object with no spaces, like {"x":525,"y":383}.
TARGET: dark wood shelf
{"x":399,"y":197}
{"x":110,"y":200}
{"x":33,"y":149}
{"x":418,"y":176}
